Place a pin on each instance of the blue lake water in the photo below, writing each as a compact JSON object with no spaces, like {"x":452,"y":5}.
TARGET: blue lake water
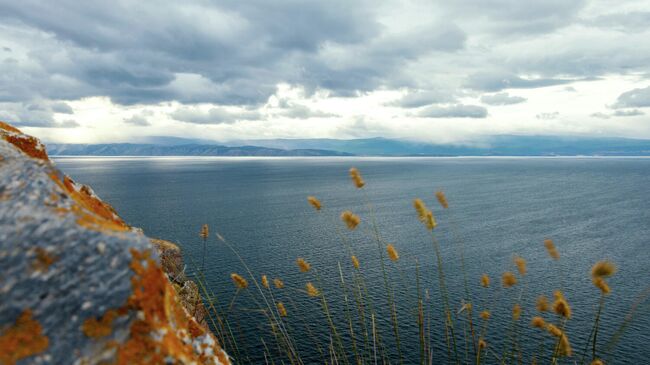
{"x":593,"y":208}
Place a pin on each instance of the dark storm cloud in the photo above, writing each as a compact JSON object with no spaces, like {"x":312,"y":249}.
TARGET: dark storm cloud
{"x":501,"y":99}
{"x":139,"y":120}
{"x":303,"y":112}
{"x":498,"y":81}
{"x":134,"y":52}
{"x":454,"y":111}
{"x":636,"y":98}
{"x":235,"y":53}
{"x":39,"y":113}
{"x":420,"y":98}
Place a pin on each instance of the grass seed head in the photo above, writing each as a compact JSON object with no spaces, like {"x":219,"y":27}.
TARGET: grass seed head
{"x":552,"y":250}
{"x":281,"y":309}
{"x":520,"y":262}
{"x":538,"y":322}
{"x":265,"y":281}
{"x":508,"y":279}
{"x":350,"y":219}
{"x":314,"y":202}
{"x":516,"y":312}
{"x":311,"y":290}
{"x":239,"y":281}
{"x":205,"y":231}
{"x":303,"y":265}
{"x":542,"y":304}
{"x":392,"y":253}
{"x":601,"y":284}
{"x":278,"y":283}
{"x":355,"y":262}
{"x":485,"y":281}
{"x":603,"y":269}
{"x":442,"y":199}
{"x":356,"y":178}
{"x":482,"y":344}
{"x":561,"y":306}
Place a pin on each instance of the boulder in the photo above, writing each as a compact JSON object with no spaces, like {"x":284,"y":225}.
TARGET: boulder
{"x":78,"y":285}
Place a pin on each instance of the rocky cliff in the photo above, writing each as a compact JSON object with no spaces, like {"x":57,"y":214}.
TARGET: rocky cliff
{"x":80,"y":286}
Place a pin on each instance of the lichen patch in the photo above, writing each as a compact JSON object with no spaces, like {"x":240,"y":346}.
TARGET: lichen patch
{"x":21,"y":340}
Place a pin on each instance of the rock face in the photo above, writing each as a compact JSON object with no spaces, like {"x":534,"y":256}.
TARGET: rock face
{"x":77,"y":284}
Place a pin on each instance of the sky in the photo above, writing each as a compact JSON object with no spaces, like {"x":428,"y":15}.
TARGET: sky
{"x":436,"y":71}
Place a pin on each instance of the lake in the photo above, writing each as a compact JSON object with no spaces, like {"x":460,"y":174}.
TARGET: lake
{"x":593,"y":208}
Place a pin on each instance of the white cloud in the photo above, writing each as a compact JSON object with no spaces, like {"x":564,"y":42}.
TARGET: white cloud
{"x":410,"y":69}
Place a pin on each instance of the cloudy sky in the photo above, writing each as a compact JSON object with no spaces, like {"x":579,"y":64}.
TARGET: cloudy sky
{"x":442,"y":71}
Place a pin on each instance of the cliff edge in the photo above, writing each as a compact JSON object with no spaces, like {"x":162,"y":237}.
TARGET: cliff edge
{"x":80,"y":286}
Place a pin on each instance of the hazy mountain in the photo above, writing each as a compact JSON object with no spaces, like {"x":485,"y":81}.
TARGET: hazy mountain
{"x":505,"y":145}
{"x":132,"y":149}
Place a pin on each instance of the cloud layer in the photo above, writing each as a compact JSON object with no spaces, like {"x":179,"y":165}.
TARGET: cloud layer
{"x":276,"y":69}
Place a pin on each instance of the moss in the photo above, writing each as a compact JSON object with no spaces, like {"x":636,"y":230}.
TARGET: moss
{"x":24,"y":339}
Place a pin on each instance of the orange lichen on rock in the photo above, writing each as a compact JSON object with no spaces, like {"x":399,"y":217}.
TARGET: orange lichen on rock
{"x":31,"y":146}
{"x":43,"y":260}
{"x":25,"y":338}
{"x":100,"y":328}
{"x":91,"y":211}
{"x":162,"y":313}
{"x":9,"y":128}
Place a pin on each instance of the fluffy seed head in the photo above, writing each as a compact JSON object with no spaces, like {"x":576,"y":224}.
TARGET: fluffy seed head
{"x":542,"y":304}
{"x":205,"y":231}
{"x":554,"y":330}
{"x":430,"y":222}
{"x":508,"y":279}
{"x":565,"y":346}
{"x":521,"y":265}
{"x":538,"y":322}
{"x":278,"y":283}
{"x":482,"y":344}
{"x":355,"y":262}
{"x":597,"y":362}
{"x":350,"y":219}
{"x":265,"y":281}
{"x":421,"y":209}
{"x":442,"y":199}
{"x":311,"y":290}
{"x":239,"y":281}
{"x":561,"y":306}
{"x":516,"y":312}
{"x":603,"y":269}
{"x":392,"y":253}
{"x":552,"y":251}
{"x":356,"y":178}
{"x":281,"y":309}
{"x":314,"y":202}
{"x":601,"y":284}
{"x":485,"y":315}
{"x":485,"y":281}
{"x":303,"y":265}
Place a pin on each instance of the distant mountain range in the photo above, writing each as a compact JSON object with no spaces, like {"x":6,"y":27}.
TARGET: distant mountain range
{"x":503,"y":145}
{"x":132,"y":149}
